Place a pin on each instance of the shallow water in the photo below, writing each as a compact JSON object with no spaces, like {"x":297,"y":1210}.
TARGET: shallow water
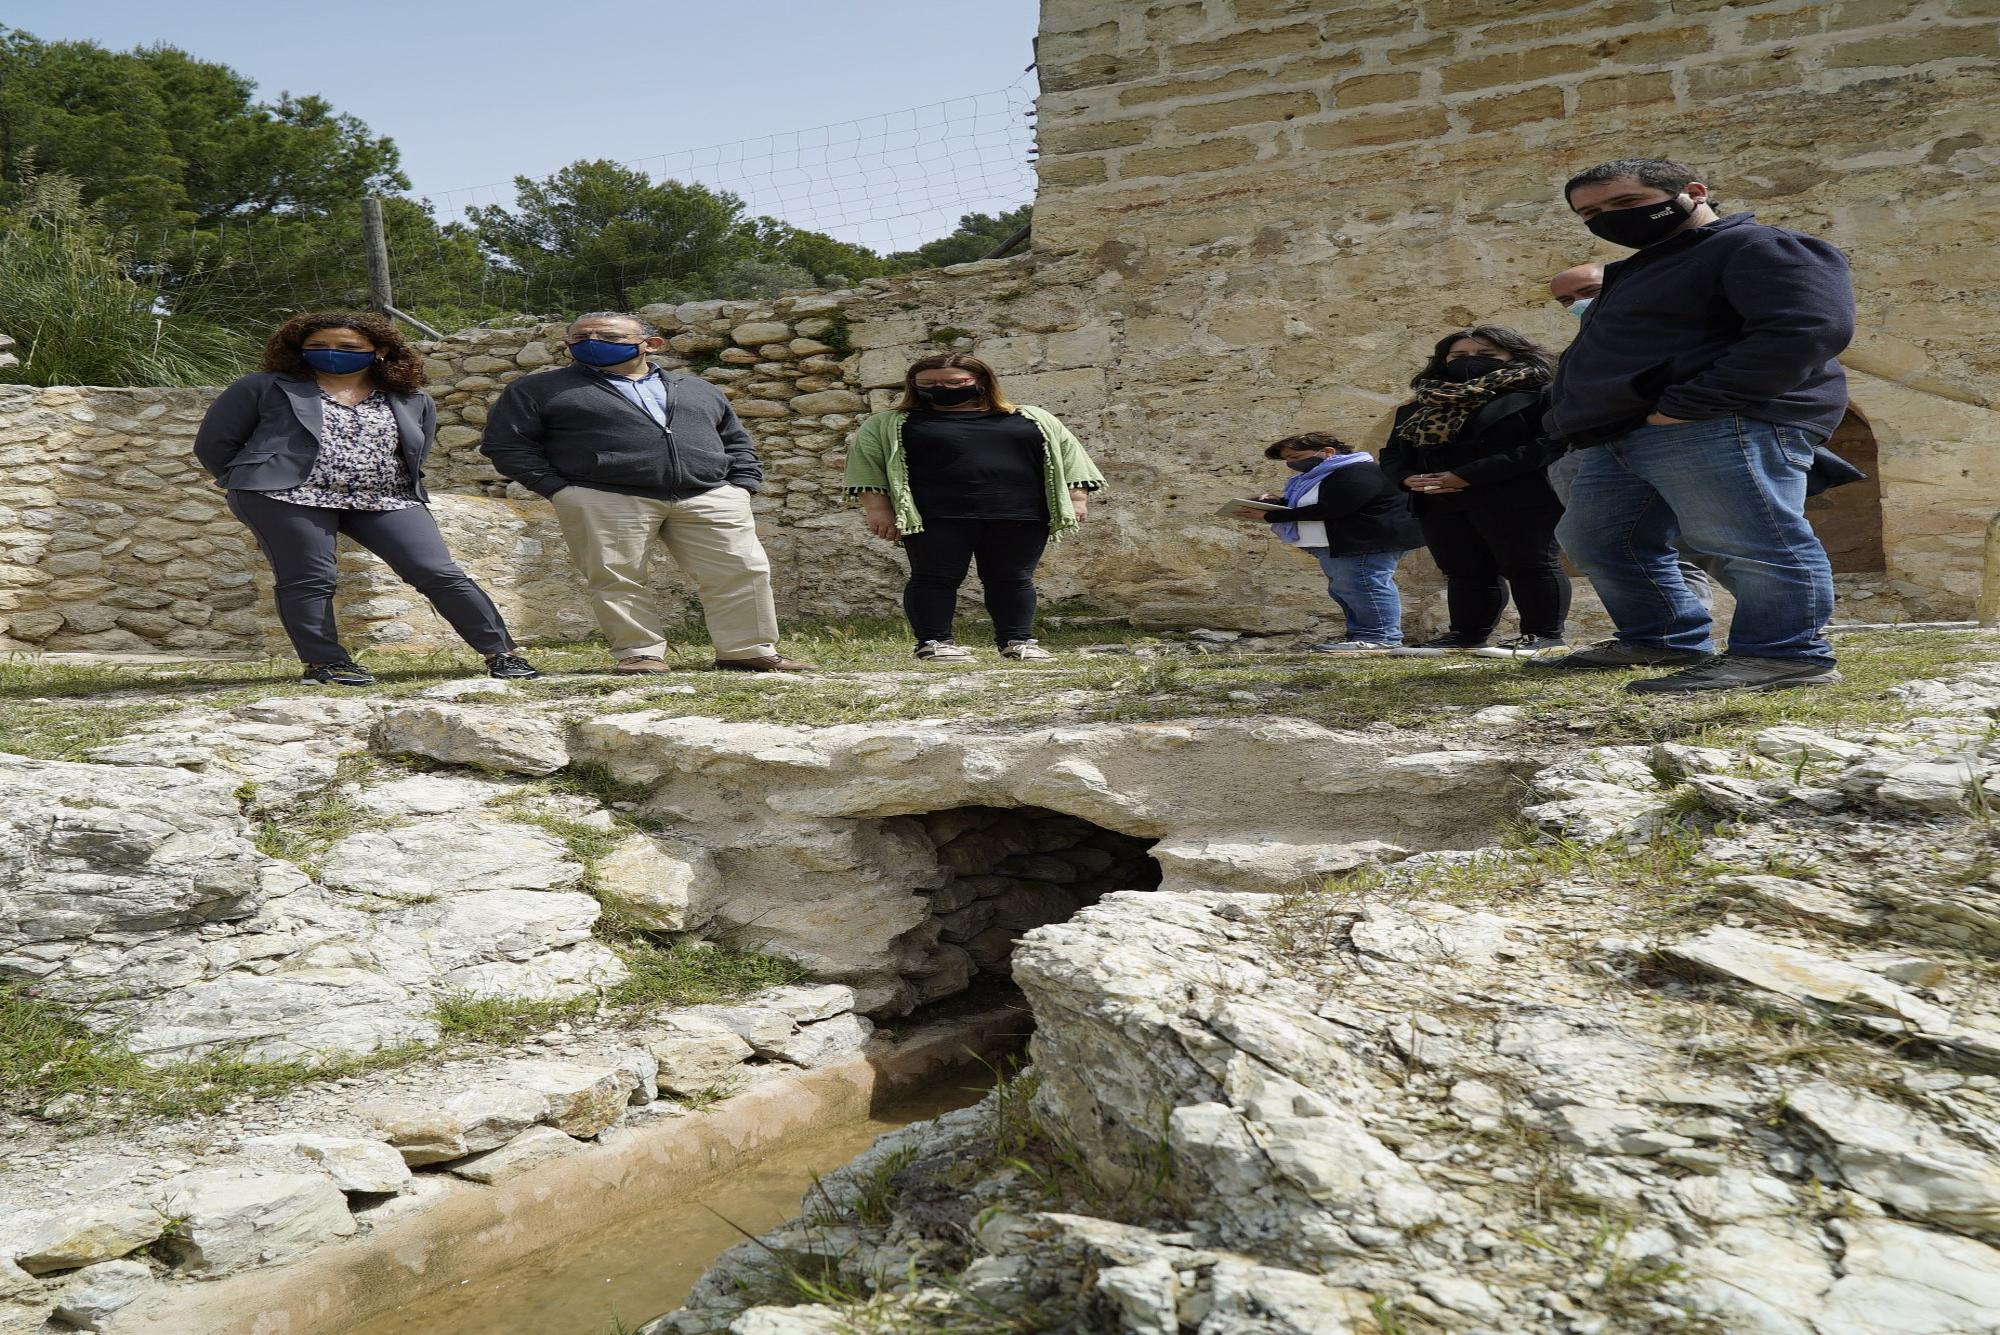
{"x":642,"y":1263}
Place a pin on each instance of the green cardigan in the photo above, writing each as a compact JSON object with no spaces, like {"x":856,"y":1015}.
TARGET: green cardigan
{"x":876,"y":462}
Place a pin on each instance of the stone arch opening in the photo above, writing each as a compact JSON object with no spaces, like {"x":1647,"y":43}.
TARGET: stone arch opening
{"x":1009,"y":870}
{"x":1848,"y":519}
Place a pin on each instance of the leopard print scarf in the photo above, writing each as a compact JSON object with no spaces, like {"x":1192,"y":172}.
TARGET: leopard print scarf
{"x":1445,"y":406}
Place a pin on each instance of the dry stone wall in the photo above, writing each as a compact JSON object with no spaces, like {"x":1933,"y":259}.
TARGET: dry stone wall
{"x":1254,"y":216}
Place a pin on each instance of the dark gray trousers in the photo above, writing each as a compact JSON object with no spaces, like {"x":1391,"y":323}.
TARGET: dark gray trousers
{"x":298,"y":541}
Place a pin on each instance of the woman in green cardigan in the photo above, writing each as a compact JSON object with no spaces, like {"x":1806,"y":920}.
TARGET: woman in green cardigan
{"x":957,"y":474}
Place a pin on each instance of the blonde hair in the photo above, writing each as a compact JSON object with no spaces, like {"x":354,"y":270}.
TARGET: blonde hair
{"x":961,"y":361}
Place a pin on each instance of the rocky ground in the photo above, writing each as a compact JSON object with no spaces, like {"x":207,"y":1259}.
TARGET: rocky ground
{"x":1714,"y":1045}
{"x":279,"y":964}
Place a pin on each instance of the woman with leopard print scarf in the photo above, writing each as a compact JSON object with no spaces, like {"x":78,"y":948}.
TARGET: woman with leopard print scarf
{"x":1468,"y":447}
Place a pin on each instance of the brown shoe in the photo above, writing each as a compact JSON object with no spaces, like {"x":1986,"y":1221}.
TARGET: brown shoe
{"x":764,"y":663}
{"x":642,"y":663}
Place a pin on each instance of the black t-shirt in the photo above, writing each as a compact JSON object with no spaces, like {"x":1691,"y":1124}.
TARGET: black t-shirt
{"x":976,"y":466}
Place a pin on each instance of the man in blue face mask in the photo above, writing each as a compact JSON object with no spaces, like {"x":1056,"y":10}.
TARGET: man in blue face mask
{"x":1698,"y":387}
{"x":632,"y":457}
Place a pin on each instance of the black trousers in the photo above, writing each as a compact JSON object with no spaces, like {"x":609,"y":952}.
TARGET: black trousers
{"x":298,"y":541}
{"x":1478,"y":547}
{"x":1007,"y":551}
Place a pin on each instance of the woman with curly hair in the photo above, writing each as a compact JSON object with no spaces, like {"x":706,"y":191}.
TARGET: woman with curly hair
{"x":1468,"y":448}
{"x":330,"y":438}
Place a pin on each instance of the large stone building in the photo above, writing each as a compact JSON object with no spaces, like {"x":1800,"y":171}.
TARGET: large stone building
{"x":1253,"y":217}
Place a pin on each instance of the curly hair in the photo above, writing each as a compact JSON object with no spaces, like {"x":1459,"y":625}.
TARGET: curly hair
{"x":1511,"y":341}
{"x":989,"y":384}
{"x":399,"y":369}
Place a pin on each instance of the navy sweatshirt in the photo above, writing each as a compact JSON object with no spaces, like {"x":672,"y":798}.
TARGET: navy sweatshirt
{"x":1731,"y":318}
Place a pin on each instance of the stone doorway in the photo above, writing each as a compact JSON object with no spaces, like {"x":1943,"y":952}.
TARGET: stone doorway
{"x":1848,"y":519}
{"x":1011,"y":869}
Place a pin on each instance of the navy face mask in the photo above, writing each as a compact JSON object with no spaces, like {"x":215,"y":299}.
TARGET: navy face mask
{"x":337,"y":361}
{"x":598,"y":352}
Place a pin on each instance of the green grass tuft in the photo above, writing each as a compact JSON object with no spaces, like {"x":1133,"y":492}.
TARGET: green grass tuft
{"x":47,"y":1052}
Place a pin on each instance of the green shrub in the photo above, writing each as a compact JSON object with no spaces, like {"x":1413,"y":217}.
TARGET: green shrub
{"x":71,"y":301}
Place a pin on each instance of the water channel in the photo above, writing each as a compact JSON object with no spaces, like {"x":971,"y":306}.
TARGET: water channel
{"x":643,"y":1261}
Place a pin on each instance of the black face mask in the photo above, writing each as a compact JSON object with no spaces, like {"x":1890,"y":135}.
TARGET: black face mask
{"x":1471,"y":368}
{"x":1307,"y":464}
{"x":949,"y":396}
{"x":1643,"y":224}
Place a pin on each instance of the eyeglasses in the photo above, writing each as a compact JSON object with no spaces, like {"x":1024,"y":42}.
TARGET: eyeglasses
{"x":946,"y":384}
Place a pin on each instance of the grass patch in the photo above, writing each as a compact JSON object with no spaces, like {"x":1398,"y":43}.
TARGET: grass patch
{"x":692,"y":973}
{"x":662,"y":976}
{"x":1656,"y":881}
{"x":502,"y":1019}
{"x":46,"y":1053}
{"x":301,"y":832}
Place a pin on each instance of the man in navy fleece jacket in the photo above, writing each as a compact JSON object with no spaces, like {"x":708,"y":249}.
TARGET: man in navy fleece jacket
{"x":1704,"y":375}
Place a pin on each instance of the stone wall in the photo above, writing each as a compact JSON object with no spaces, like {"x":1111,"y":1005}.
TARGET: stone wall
{"x":1254,"y":218}
{"x":1283,"y":202}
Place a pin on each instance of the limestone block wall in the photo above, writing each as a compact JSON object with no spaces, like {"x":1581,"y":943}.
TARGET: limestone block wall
{"x":1284,"y":202}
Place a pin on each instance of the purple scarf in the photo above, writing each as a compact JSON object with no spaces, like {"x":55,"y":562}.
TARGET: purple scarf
{"x":1301,"y":484}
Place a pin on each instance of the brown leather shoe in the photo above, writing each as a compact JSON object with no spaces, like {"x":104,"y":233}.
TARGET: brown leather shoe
{"x":642,"y":663}
{"x":764,"y":663}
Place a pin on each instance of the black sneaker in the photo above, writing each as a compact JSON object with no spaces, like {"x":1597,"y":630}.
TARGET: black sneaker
{"x":1521,"y":646}
{"x":1447,"y":643}
{"x":1739,"y":672}
{"x":510,"y":666}
{"x":1616,"y":655}
{"x":345,"y":673}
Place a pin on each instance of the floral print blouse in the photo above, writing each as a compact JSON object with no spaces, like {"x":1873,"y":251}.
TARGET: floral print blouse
{"x":360,"y":466}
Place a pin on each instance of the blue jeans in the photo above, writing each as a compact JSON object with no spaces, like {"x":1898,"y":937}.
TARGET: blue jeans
{"x":1365,"y":588}
{"x":1734,"y":488}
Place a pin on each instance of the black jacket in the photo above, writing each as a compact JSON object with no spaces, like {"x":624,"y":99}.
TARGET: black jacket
{"x":1363,"y":512}
{"x":1500,"y":452}
{"x":1734,"y":318}
{"x":571,"y":426}
{"x":262,"y":433}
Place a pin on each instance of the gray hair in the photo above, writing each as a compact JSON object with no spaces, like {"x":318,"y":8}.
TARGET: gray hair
{"x":648,"y":330}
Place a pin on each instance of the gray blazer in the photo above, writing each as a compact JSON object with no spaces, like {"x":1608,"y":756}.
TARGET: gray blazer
{"x":262,"y":433}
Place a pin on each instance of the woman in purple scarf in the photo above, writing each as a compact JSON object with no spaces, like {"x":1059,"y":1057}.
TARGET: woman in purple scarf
{"x":1341,"y":511}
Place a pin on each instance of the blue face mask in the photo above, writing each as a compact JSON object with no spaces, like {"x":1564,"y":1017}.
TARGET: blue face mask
{"x":1580,"y":305}
{"x":597,"y":352}
{"x":337,"y":361}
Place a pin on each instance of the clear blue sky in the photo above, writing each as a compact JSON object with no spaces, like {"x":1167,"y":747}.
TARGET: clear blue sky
{"x":477,"y":93}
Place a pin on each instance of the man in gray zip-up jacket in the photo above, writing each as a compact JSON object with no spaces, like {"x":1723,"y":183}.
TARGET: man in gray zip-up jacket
{"x":630,"y":455}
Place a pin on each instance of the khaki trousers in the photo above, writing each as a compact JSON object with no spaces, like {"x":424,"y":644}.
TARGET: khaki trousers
{"x":712,"y":537}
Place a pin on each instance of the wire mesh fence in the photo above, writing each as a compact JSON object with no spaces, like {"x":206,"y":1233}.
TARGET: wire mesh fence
{"x":835,"y":202}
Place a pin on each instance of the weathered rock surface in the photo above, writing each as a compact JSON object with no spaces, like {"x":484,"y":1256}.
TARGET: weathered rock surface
{"x":531,"y":1149}
{"x":231,"y":1218}
{"x":1327,"y":1113}
{"x":67,"y":1235}
{"x":361,"y":1166}
{"x":99,"y":1292}
{"x":481,"y":738}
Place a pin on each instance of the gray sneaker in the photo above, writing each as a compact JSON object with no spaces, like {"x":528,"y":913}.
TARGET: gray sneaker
{"x":943,"y":651}
{"x":1739,"y":672}
{"x":1615,"y":655}
{"x":1351,"y":647}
